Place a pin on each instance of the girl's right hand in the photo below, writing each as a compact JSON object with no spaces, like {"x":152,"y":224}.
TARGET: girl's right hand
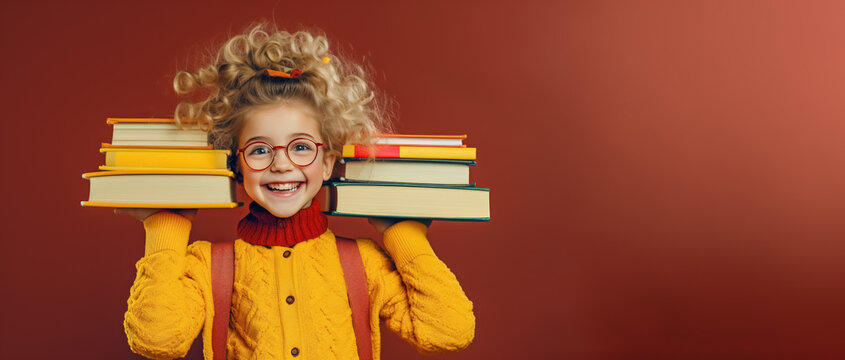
{"x":142,"y":214}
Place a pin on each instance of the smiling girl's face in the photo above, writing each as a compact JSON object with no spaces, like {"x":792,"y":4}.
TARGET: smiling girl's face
{"x":284,"y":188}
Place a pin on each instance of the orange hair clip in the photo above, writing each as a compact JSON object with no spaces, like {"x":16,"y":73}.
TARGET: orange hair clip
{"x":294,"y":73}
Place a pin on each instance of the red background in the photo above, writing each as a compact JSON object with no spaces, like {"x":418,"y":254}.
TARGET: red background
{"x":667,"y":177}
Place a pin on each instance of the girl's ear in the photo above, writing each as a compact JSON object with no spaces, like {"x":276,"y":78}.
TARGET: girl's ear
{"x":328,"y":164}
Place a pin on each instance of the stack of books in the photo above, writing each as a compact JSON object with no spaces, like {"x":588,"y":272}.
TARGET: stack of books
{"x":408,"y":176}
{"x":152,"y":163}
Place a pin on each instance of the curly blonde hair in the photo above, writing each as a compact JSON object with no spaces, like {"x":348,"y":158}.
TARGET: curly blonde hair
{"x":340,"y":91}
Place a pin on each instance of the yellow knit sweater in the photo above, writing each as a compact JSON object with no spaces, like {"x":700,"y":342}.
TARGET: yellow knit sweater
{"x":296,"y":301}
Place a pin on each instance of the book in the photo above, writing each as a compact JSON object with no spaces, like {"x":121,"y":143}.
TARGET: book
{"x":163,"y":158}
{"x":409,"y":152}
{"x":421,"y":140}
{"x":155,"y":132}
{"x":204,"y":147}
{"x":428,"y":171}
{"x":172,"y":188}
{"x":407,"y":201}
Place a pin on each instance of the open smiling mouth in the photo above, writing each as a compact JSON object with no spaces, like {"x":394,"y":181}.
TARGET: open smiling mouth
{"x":283,"y":187}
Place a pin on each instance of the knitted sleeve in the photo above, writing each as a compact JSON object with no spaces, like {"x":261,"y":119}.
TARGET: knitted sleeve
{"x":419,"y":299}
{"x":166,"y":306}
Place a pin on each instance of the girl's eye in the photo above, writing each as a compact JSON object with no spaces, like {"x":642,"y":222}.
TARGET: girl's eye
{"x":258,"y":150}
{"x":301,"y":146}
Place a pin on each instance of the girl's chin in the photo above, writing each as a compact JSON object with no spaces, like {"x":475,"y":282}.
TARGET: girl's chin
{"x":284,"y":210}
{"x":282,"y":214}
{"x":283,"y":205}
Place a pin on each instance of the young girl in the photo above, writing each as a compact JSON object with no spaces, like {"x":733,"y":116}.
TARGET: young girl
{"x":284,"y":106}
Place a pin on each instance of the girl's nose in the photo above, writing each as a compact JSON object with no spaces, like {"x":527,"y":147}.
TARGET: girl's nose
{"x":281,"y":162}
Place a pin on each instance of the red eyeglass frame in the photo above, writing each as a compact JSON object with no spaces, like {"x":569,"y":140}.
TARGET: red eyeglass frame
{"x":240,"y":152}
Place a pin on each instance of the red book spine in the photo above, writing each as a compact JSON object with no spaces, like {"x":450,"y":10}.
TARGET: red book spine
{"x":381,"y":151}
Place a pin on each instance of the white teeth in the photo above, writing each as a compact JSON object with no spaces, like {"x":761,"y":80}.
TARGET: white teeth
{"x":283,"y":187}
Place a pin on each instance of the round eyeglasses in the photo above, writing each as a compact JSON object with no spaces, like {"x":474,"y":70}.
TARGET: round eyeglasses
{"x":259,"y":155}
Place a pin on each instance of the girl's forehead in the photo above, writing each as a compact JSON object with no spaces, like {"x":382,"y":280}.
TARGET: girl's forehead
{"x":281,"y":122}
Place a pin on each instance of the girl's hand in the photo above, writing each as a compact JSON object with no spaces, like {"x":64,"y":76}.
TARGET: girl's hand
{"x":142,"y":214}
{"x":381,"y":224}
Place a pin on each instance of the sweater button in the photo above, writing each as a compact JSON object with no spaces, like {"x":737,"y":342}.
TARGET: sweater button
{"x":289,"y":300}
{"x":286,"y":253}
{"x":294,"y":351}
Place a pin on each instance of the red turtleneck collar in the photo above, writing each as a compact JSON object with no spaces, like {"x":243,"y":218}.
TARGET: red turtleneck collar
{"x":260,"y":227}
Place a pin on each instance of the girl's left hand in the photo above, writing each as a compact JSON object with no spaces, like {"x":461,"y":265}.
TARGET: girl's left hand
{"x":381,"y":224}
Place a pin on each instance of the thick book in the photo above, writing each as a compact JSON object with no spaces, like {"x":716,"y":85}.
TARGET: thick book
{"x":423,"y":171}
{"x":163,"y":158}
{"x":155,"y":132}
{"x":407,"y":201}
{"x":172,"y":189}
{"x":408,"y":152}
{"x":421,"y":140}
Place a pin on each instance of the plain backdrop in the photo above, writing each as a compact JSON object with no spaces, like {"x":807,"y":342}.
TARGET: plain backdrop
{"x":667,"y":176}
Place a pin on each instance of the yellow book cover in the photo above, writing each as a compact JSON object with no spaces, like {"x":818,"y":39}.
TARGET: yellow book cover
{"x":203,"y":147}
{"x":112,"y":121}
{"x":216,"y":172}
{"x":165,"y":158}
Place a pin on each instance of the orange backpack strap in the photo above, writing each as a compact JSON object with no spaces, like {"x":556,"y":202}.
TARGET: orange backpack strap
{"x":356,"y":290}
{"x":222,"y":277}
